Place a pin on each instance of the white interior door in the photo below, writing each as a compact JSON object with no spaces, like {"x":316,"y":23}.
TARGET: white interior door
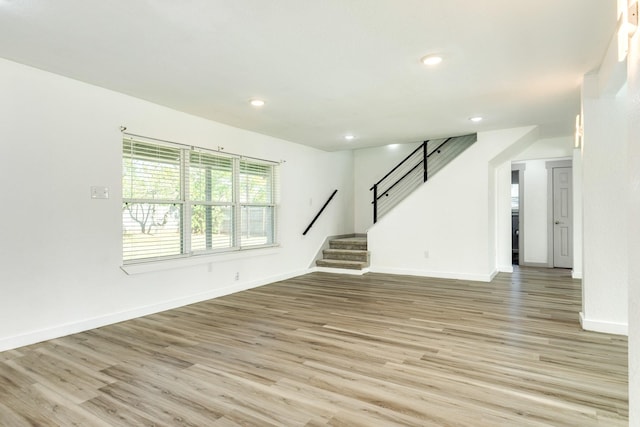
{"x":562,"y":218}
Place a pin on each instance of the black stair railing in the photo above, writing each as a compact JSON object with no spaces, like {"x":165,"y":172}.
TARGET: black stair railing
{"x":413,"y":169}
{"x":319,"y":212}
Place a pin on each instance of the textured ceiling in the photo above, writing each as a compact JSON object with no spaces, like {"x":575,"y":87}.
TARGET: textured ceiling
{"x":327,"y":68}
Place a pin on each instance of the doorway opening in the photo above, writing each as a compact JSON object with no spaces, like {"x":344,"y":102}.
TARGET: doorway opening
{"x":517,"y":213}
{"x":515,"y":217}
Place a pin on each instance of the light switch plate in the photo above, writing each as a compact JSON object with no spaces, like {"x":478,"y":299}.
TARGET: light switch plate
{"x":98,"y":192}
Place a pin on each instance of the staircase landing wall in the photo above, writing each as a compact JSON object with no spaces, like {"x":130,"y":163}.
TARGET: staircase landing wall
{"x":447,"y":228}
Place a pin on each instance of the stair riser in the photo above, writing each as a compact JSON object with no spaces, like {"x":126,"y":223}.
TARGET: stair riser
{"x":348,"y":257}
{"x":352,"y":266}
{"x":348,"y":246}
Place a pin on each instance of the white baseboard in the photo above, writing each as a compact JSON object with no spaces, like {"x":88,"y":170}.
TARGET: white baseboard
{"x":576,"y":274}
{"x":535,"y":264}
{"x":603,"y":326}
{"x":505,"y":268}
{"x":58,"y":331}
{"x":436,"y":274}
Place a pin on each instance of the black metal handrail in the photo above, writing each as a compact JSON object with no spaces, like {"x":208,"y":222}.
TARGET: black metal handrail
{"x":320,"y":212}
{"x":385,"y":192}
{"x":439,"y":146}
{"x":420,"y":147}
{"x":425,"y":156}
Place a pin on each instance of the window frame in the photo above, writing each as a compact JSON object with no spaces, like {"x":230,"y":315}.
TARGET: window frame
{"x":187,"y":203}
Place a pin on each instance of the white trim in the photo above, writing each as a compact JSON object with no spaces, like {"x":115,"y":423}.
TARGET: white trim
{"x":576,"y":274}
{"x":520,"y":168}
{"x":58,"y":331}
{"x":436,"y":274}
{"x":604,"y":326}
{"x":535,"y":264}
{"x":505,"y":268}
{"x":339,"y":271}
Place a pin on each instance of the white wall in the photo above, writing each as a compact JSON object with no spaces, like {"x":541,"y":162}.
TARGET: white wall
{"x":452,"y":217}
{"x":633,"y":163}
{"x":535,"y":212}
{"x":60,"y":251}
{"x":605,"y":213}
{"x":369,"y":166}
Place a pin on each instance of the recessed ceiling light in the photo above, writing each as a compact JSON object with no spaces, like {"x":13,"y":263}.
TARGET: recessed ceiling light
{"x":475,"y":119}
{"x":257,"y":102}
{"x":349,"y":137}
{"x":431,"y":60}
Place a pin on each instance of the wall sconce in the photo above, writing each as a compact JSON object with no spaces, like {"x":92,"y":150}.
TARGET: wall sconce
{"x":627,"y":25}
{"x":577,"y":143}
{"x":632,"y":18}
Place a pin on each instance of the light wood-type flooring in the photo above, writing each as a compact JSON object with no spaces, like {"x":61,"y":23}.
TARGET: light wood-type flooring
{"x":335,"y":350}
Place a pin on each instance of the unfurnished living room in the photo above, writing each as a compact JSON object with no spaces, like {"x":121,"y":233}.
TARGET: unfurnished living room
{"x":320,"y":213}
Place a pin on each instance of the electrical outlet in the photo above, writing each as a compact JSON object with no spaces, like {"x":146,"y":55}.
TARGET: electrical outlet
{"x":426,"y":254}
{"x":237,"y":276}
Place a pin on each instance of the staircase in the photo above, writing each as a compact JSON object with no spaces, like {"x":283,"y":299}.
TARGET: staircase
{"x":349,"y":253}
{"x":419,"y":166}
{"x":346,"y":253}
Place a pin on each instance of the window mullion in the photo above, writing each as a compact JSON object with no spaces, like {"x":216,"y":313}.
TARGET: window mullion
{"x":237,"y":226}
{"x":208,"y":185}
{"x":186,"y":200}
{"x":273,"y":205}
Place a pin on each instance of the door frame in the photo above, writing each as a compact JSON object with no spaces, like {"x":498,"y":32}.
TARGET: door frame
{"x":520,"y":167}
{"x":568,"y":163}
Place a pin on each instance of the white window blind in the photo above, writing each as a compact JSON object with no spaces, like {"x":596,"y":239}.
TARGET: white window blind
{"x":211,"y":193}
{"x":153,"y":208}
{"x":256,"y":204}
{"x":180,"y":201}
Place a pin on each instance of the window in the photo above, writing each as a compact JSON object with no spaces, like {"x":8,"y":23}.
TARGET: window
{"x":153,"y":205}
{"x":212,"y":207}
{"x":256,"y":204}
{"x":180,"y":201}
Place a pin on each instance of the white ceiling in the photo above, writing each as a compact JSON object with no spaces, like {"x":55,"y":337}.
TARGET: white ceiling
{"x":327,"y":68}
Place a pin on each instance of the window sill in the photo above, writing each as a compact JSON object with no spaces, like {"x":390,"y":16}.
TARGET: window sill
{"x":189,"y":261}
